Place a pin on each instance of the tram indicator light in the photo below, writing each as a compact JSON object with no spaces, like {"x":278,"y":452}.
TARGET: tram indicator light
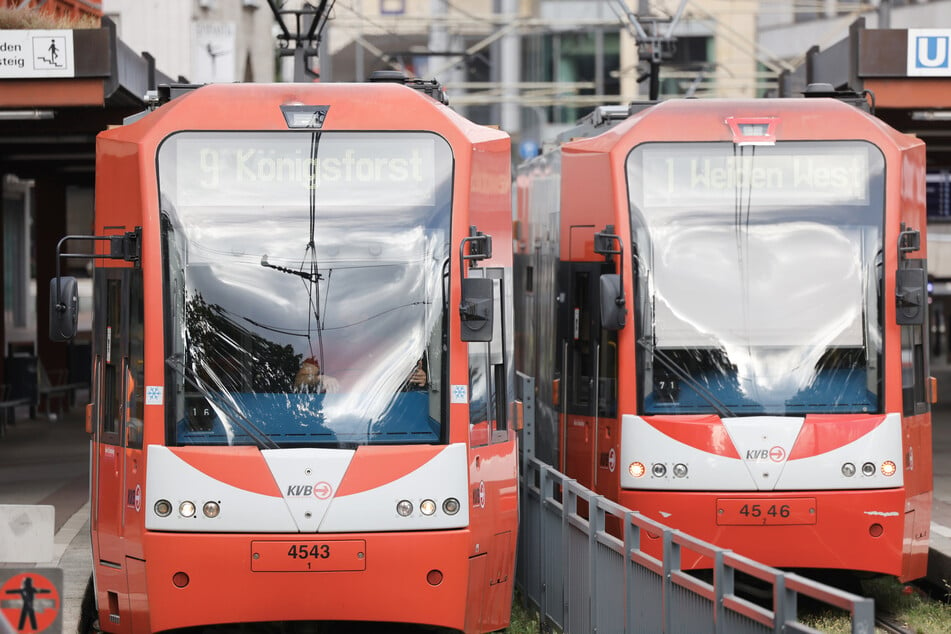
{"x":753,"y":130}
{"x":301,"y":116}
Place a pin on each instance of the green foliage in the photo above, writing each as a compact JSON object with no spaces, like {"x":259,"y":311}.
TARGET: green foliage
{"x":904,"y":603}
{"x":524,"y":619}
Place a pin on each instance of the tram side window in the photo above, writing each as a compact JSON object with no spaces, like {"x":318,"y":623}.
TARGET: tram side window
{"x":481,"y":394}
{"x":581,"y":350}
{"x":113,"y":339}
{"x":488,"y":419}
{"x":135,"y":390}
{"x":607,"y":374}
{"x":914,"y":396}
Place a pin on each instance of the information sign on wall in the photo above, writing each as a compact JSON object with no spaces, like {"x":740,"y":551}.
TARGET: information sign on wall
{"x":36,"y":54}
{"x":213,"y":52}
{"x":929,"y":53}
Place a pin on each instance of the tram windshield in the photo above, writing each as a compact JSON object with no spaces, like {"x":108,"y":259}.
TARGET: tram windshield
{"x":306,"y":287}
{"x":758,"y":277}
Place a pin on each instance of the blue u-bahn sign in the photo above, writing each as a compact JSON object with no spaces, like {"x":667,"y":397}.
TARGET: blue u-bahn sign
{"x":929,"y":53}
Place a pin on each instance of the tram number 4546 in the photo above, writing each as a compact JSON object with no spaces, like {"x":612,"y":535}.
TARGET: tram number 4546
{"x":309,"y":551}
{"x":740,"y":511}
{"x":758,"y":510}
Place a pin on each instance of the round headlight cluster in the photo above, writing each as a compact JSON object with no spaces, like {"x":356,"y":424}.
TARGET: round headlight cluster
{"x":657,"y":470}
{"x":450,"y":506}
{"x":187,"y":508}
{"x":888,"y":468}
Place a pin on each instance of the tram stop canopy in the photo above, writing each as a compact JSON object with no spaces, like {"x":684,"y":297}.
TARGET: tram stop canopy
{"x":59,"y":88}
{"x":906,"y":73}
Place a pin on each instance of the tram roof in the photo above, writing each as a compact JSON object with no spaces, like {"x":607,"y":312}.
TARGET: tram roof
{"x":341,"y":106}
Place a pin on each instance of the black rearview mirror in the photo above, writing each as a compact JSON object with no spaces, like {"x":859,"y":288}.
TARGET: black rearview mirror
{"x":613,"y":310}
{"x":911,"y":296}
{"x":64,"y":308}
{"x":476,"y":309}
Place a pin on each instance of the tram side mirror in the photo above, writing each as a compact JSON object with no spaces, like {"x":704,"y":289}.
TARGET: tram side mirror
{"x":476,"y":309}
{"x":64,"y":308}
{"x":911,"y":296}
{"x":613,"y":309}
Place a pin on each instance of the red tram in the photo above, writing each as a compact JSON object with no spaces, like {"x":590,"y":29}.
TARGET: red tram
{"x":723,"y":303}
{"x":302,"y":362}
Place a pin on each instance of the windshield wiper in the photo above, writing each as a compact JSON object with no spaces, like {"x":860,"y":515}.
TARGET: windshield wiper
{"x":231,"y":410}
{"x":722,"y":410}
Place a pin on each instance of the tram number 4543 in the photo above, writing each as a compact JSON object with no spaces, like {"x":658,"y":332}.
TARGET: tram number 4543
{"x":309,"y":551}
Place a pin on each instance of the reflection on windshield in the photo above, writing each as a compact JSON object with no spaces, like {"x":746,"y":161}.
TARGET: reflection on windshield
{"x":753,"y":298}
{"x":302,"y":311}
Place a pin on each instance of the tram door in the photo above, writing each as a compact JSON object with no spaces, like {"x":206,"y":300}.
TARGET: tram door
{"x":117,"y":437}
{"x":590,"y":381}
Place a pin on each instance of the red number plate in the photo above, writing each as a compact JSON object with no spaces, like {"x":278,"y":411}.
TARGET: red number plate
{"x":308,"y":556}
{"x":769,"y":512}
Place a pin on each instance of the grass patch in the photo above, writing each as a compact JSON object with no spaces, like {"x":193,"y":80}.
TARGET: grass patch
{"x":910,"y":606}
{"x":524,"y":619}
{"x":904,"y":603}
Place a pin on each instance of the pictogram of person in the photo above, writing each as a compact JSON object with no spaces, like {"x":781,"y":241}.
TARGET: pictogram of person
{"x":28,"y":592}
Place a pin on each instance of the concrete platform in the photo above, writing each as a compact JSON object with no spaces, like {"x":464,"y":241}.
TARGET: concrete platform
{"x":46,"y":462}
{"x":939,"y":558}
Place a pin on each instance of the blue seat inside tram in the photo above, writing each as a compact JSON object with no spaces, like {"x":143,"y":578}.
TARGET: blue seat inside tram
{"x":833,"y":391}
{"x":303,"y":419}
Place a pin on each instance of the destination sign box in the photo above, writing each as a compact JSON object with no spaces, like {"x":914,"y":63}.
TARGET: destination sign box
{"x":285,"y":168}
{"x":715,"y":174}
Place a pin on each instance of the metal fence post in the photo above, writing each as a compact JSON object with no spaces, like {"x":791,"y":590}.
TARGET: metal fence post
{"x":671,"y":562}
{"x":723,"y":583}
{"x":542,"y":540}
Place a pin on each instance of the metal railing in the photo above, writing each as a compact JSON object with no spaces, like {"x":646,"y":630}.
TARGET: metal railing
{"x":582,"y":577}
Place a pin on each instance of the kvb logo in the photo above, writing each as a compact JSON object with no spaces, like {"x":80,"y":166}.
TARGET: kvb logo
{"x":776,"y":454}
{"x":929,"y":53}
{"x":321,"y":490}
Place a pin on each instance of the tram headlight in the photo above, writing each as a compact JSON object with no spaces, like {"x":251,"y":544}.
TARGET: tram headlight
{"x":637,"y":469}
{"x":211,"y":509}
{"x":404,"y":508}
{"x":163,"y":508}
{"x":680,"y":470}
{"x":427,"y":507}
{"x":889,"y":468}
{"x":658,"y":470}
{"x":186,"y":509}
{"x":450,"y":506}
{"x":868,"y":469}
{"x":848,"y":469}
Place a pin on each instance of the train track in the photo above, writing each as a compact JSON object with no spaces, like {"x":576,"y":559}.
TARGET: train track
{"x":891,"y":626}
